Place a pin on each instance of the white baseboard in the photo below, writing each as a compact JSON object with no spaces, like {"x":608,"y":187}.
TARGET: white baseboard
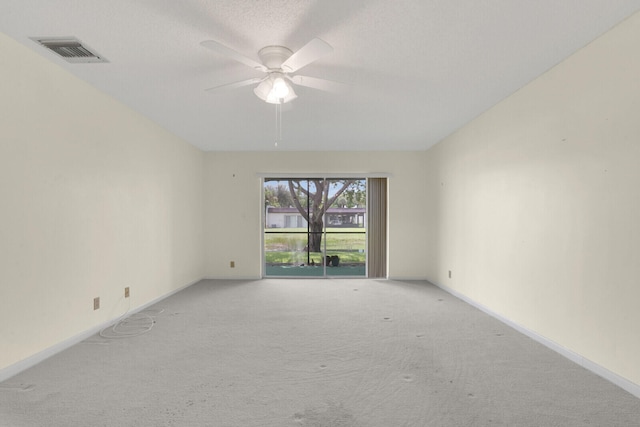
{"x":33,"y":360}
{"x":599,"y":370}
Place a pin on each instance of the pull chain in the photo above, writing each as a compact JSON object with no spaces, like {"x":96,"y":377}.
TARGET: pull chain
{"x":278,"y":123}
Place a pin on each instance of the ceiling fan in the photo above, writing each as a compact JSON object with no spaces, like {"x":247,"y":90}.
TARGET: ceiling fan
{"x":278,"y":62}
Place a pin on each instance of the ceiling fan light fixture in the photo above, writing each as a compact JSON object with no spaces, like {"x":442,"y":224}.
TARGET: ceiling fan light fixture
{"x":275,"y":90}
{"x":263,"y":89}
{"x":280,"y":88}
{"x":280,"y":96}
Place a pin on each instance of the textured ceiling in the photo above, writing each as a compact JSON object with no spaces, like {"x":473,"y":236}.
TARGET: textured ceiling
{"x":417,"y":70}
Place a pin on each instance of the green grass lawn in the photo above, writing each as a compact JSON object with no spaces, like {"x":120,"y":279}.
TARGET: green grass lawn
{"x":288,"y":248}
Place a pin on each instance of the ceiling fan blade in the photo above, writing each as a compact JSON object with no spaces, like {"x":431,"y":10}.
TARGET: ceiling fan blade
{"x":308,"y":53}
{"x":235,"y":85}
{"x":316,"y":83}
{"x":224,"y":50}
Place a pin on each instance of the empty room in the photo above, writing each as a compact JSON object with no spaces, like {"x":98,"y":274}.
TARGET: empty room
{"x":319,"y":213}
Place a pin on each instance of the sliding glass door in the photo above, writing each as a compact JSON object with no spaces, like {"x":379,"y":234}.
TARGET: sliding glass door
{"x":315,"y":227}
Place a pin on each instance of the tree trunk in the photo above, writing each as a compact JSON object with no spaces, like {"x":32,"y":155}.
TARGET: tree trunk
{"x":315,"y":236}
{"x":317,"y":204}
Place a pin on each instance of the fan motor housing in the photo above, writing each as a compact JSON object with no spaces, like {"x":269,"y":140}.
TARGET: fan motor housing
{"x":273,"y":56}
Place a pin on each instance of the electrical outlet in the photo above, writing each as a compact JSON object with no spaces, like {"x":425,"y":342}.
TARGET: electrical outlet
{"x":126,"y":292}
{"x":449,"y":274}
{"x":232,"y":264}
{"x":96,"y":303}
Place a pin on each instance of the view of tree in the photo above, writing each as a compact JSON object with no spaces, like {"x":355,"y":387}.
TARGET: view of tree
{"x":354,"y":196}
{"x":270,"y":198}
{"x":313,"y":197}
{"x":278,"y":196}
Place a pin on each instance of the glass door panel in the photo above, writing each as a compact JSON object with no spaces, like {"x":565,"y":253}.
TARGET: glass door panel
{"x":288,"y":249}
{"x":345,"y":227}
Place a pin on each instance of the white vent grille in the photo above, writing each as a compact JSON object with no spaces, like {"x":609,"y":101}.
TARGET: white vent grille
{"x":70,"y":49}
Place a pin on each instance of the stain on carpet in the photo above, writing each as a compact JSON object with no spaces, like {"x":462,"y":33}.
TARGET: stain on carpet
{"x":331,"y":415}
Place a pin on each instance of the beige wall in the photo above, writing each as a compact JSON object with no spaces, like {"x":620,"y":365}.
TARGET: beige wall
{"x":536,"y":205}
{"x":94,"y":198}
{"x":232,"y":179}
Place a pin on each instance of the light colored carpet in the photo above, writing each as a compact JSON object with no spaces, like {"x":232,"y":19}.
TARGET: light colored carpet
{"x":287,"y":352}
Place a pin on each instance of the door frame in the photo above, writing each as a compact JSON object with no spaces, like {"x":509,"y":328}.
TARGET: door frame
{"x":284,"y":176}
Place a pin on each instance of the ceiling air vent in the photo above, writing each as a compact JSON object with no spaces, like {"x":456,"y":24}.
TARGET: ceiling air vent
{"x":70,"y":49}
